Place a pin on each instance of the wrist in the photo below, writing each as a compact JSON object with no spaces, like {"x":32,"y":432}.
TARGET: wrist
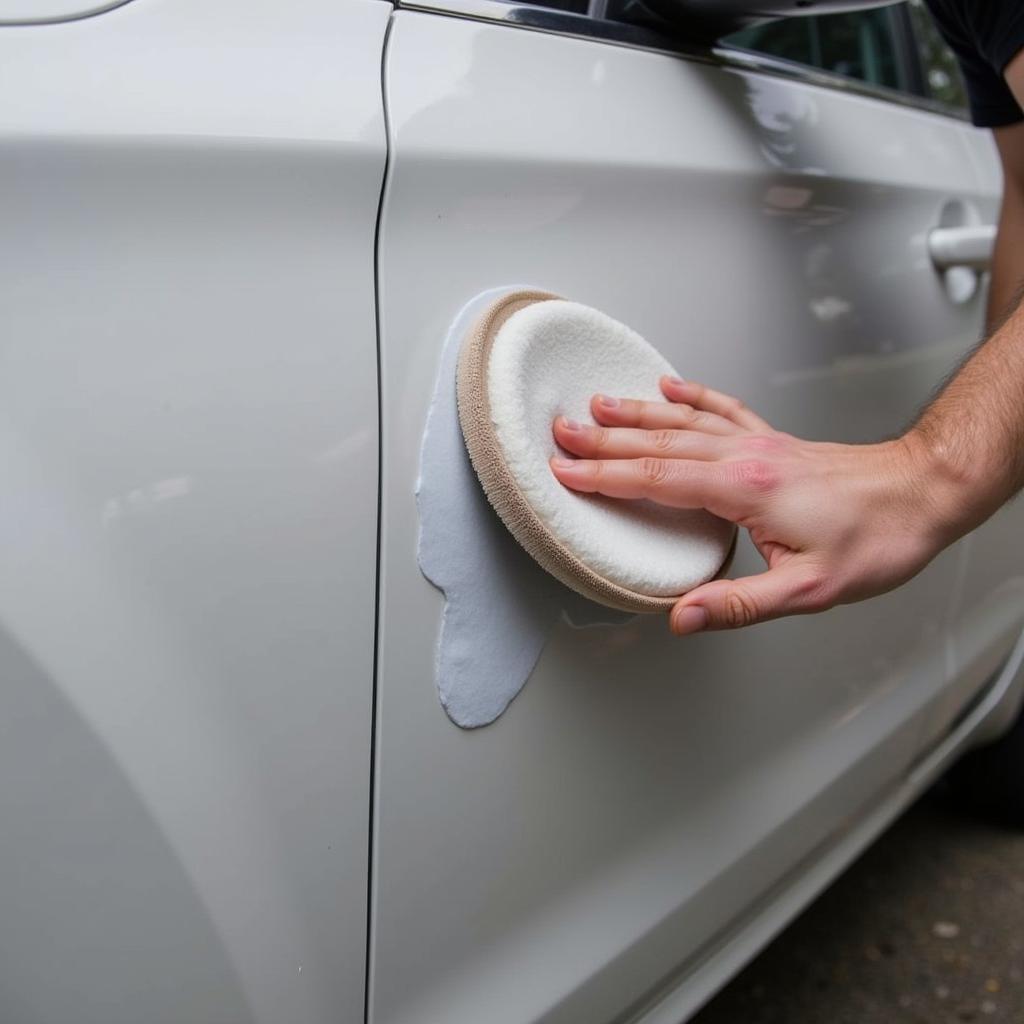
{"x":943,"y":485}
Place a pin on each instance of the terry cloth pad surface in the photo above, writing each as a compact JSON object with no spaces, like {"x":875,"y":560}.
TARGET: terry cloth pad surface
{"x":500,"y":606}
{"x":531,"y":357}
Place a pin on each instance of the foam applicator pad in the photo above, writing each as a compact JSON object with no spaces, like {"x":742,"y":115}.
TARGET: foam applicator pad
{"x":529,"y":358}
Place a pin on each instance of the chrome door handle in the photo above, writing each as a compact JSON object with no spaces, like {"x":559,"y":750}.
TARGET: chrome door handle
{"x":968,"y":246}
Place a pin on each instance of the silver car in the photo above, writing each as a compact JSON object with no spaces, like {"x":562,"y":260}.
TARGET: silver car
{"x":233,"y":235}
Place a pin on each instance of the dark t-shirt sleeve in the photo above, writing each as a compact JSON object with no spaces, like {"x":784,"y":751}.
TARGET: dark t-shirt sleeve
{"x":985,"y":35}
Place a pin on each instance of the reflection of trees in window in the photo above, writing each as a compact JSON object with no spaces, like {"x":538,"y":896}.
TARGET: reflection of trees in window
{"x":860,"y":45}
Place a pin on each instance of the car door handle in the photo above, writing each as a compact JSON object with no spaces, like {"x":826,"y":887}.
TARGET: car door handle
{"x":968,"y":246}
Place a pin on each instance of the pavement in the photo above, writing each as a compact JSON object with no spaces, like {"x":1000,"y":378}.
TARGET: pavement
{"x":927,"y":927}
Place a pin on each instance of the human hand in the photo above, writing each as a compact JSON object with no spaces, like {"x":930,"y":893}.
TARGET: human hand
{"x":835,"y":523}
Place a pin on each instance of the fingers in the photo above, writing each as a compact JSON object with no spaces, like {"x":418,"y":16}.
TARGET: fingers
{"x":700,"y":397}
{"x":723,"y":488}
{"x":795,"y":587}
{"x":628,"y":412}
{"x":631,"y":443}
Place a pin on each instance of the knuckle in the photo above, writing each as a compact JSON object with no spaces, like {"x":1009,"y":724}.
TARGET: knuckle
{"x":756,"y":475}
{"x":739,"y":608}
{"x":600,"y":438}
{"x":686,"y":414}
{"x":663,"y":440}
{"x":764,"y":443}
{"x":653,"y":471}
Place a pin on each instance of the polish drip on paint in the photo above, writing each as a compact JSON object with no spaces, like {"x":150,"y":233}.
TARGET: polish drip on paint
{"x":500,"y":606}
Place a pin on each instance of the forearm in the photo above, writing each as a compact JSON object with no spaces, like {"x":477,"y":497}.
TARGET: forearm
{"x":971,"y":437}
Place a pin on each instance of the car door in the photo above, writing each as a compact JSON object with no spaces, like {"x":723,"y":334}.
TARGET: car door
{"x":986,"y":600}
{"x":188,"y":457}
{"x":766,"y":227}
{"x":988,"y":590}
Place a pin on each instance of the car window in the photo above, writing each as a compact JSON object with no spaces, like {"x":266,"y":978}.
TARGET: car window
{"x":942,"y":78}
{"x":896,"y":47}
{"x":863,"y":45}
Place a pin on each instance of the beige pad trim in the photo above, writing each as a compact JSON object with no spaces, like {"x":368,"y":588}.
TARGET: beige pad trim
{"x":500,"y":486}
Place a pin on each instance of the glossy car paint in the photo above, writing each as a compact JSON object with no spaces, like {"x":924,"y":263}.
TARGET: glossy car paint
{"x":643,"y":796}
{"x":36,"y":12}
{"x":189,"y":447}
{"x":188,"y":442}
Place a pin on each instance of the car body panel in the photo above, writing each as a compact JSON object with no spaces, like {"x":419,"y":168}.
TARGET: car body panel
{"x":38,"y":12}
{"x":731,"y":950}
{"x":642,"y":793}
{"x":188,"y":193}
{"x":189,"y":441}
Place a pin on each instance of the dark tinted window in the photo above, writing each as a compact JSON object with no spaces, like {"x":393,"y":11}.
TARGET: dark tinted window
{"x":862,"y":45}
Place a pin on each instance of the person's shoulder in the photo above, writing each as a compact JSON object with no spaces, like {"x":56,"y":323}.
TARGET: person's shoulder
{"x":951,"y":17}
{"x":984,"y":35}
{"x":990,"y":31}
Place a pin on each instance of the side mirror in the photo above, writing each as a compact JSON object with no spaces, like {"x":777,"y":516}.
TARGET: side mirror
{"x":708,"y":20}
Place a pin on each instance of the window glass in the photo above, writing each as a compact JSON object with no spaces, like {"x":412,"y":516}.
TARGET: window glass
{"x":861,"y":45}
{"x":942,"y":78}
{"x":871,"y":46}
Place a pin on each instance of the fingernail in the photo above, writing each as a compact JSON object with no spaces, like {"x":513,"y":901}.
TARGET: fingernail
{"x":676,"y":380}
{"x":691,"y":619}
{"x":559,"y":463}
{"x":569,"y":424}
{"x":607,"y":401}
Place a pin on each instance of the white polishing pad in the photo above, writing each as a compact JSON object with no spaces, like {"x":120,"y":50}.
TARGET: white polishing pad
{"x":533,"y":357}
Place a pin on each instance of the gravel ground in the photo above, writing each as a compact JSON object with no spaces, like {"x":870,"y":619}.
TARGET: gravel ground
{"x":926,"y":928}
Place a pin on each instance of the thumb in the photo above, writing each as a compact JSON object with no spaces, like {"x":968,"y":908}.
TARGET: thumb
{"x":795,"y":587}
